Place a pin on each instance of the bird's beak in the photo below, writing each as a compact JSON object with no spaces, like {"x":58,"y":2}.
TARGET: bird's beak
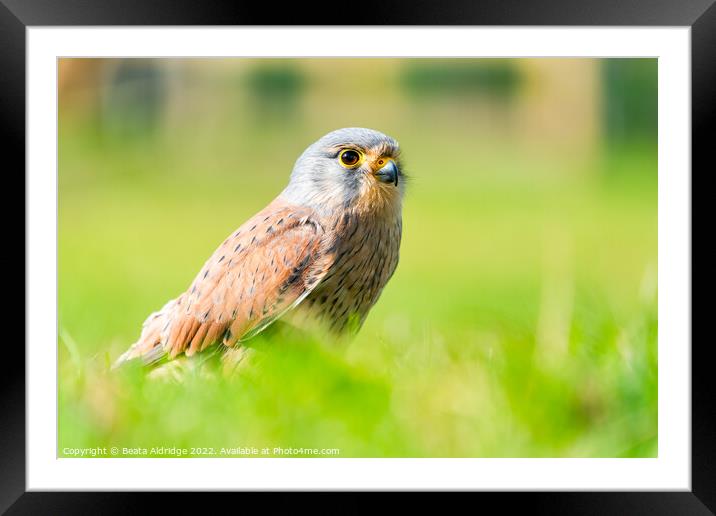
{"x":388,"y":173}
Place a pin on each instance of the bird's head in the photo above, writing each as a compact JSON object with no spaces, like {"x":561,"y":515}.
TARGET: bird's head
{"x":348,"y":168}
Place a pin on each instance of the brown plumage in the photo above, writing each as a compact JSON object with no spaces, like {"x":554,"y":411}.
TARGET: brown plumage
{"x":327,"y":244}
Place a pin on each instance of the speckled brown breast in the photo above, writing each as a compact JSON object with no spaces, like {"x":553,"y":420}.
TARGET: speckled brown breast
{"x":366,"y":255}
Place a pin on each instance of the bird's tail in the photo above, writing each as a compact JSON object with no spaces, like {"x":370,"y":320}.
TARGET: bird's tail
{"x":150,"y":346}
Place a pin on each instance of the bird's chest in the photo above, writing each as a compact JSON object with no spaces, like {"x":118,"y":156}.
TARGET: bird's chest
{"x":366,"y":255}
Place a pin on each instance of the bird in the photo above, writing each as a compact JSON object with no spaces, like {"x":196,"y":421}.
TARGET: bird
{"x":322,"y":250}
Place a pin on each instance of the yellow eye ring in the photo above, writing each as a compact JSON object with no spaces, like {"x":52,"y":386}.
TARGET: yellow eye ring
{"x":350,"y":158}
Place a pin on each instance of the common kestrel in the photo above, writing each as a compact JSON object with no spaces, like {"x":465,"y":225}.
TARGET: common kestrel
{"x":326,"y":246}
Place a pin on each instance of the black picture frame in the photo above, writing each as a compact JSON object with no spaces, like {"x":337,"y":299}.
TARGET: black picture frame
{"x":17,"y":15}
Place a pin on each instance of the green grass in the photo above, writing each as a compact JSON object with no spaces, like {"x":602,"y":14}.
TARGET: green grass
{"x":521,"y":322}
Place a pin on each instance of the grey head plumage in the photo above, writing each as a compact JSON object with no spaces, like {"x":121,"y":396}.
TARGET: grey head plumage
{"x":321,"y":180}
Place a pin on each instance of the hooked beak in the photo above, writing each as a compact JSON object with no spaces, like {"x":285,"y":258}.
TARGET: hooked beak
{"x":388,"y":173}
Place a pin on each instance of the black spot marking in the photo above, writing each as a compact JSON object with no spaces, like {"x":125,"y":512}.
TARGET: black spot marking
{"x":293,"y":278}
{"x":314,"y":224}
{"x":302,"y":264}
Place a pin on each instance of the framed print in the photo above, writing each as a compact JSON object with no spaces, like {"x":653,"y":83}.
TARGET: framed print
{"x":448,"y":249}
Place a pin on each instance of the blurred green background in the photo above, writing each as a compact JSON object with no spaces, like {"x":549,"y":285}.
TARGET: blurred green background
{"x":521,"y":321}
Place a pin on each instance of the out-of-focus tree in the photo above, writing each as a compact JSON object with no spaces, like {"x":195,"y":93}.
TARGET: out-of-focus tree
{"x":630,"y":100}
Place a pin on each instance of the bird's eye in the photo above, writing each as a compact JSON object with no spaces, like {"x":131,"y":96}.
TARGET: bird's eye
{"x":350,"y":158}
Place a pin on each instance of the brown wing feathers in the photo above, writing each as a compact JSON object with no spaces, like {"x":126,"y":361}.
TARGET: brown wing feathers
{"x":259,"y":272}
{"x":263,"y":269}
